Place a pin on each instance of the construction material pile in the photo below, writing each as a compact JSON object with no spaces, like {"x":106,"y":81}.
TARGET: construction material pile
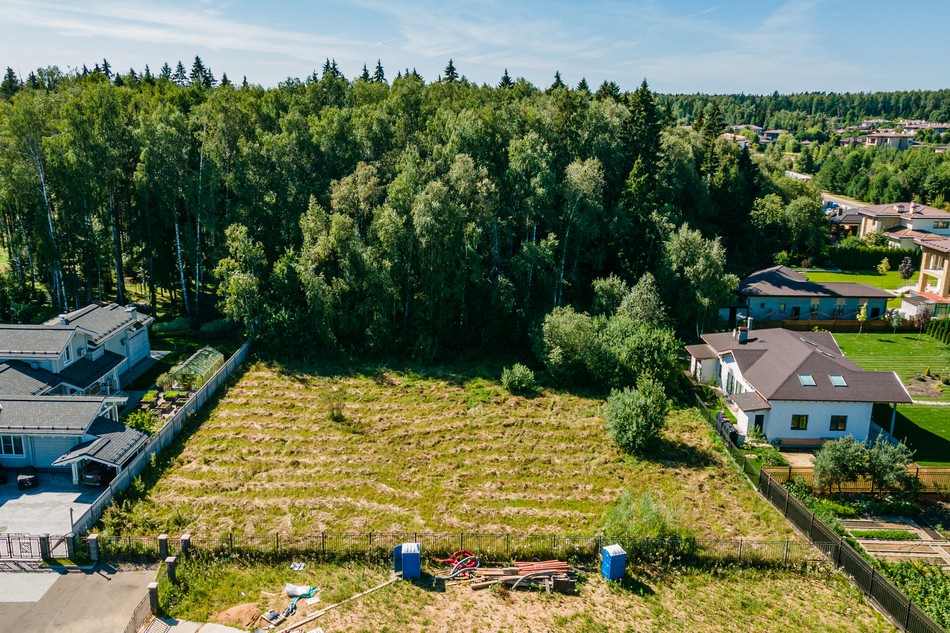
{"x":549,"y":575}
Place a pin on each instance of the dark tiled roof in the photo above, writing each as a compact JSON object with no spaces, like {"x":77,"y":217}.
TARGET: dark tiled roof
{"x":749,"y":401}
{"x":103,"y":321}
{"x":701,"y":351}
{"x":49,"y":415}
{"x":114,"y":444}
{"x":771,"y":361}
{"x":85,"y":372}
{"x":18,"y":378}
{"x":781,"y":281}
{"x":850,"y":217}
{"x":37,"y":341}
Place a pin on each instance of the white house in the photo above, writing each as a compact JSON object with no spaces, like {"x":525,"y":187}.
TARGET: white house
{"x":796,"y":388}
{"x":904,"y":223}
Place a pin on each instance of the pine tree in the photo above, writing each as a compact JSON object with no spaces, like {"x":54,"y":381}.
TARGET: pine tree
{"x":244,"y":83}
{"x":85,"y":70}
{"x":207,"y":79}
{"x":106,"y":69}
{"x":582,"y":85}
{"x":165,"y":72}
{"x":365,"y":75}
{"x":378,"y":75}
{"x":147,"y":75}
{"x":180,"y":76}
{"x":608,"y":90}
{"x":558,"y":82}
{"x":451,"y":75}
{"x":197,"y":72}
{"x":334,"y":69}
{"x":506,"y":81}
{"x":32,"y":80}
{"x":224,"y":79}
{"x":10,"y":84}
{"x":327,"y":69}
{"x":96,"y":70}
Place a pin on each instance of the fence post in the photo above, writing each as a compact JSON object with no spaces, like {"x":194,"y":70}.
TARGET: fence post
{"x":163,"y":546}
{"x":185,"y":544}
{"x":153,"y":597}
{"x":740,"y":551}
{"x":70,"y":545}
{"x":171,"y":567}
{"x":840,"y":546}
{"x":785,"y":555}
{"x":811,"y":524}
{"x":277,"y":541}
{"x":907,"y":614}
{"x":44,"y":546}
{"x":323,"y":544}
{"x":787,"y":496}
{"x":93,"y":541}
{"x":507,"y":544}
{"x":230,"y":542}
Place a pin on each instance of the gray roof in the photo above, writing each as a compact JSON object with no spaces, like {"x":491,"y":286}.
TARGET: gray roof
{"x":85,"y":372}
{"x":771,"y":360}
{"x":103,"y":321}
{"x":750,"y":401}
{"x":18,"y":378}
{"x":849,"y":217}
{"x":701,"y":351}
{"x":782,"y":281}
{"x":114,"y":444}
{"x":35,"y":341}
{"x":49,"y":415}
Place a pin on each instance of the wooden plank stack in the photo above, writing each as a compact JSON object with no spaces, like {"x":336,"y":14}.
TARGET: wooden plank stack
{"x":550,"y":575}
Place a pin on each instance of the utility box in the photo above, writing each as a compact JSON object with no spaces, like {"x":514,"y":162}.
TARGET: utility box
{"x":613,"y":562}
{"x":411,"y":561}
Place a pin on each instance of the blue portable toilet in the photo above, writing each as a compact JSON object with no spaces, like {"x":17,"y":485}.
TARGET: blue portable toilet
{"x":397,"y":559}
{"x":613,"y":562}
{"x":410,"y":560}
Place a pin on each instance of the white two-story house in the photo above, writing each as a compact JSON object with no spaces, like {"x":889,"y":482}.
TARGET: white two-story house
{"x":904,"y":223}
{"x":796,"y":388}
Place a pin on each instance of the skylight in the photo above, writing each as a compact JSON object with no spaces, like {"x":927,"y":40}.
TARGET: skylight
{"x":807,"y":380}
{"x":838,"y":380}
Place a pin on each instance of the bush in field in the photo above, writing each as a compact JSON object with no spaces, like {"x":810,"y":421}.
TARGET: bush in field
{"x":636,"y":416}
{"x":142,"y":420}
{"x":839,"y":462}
{"x":181,"y":324}
{"x":886,"y":465}
{"x":518,"y":379}
{"x":635,"y":519}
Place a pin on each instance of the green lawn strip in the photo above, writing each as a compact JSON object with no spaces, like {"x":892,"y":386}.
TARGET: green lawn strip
{"x":426,"y":449}
{"x":716,"y":599}
{"x":925,"y":429}
{"x":885,"y":535}
{"x":888,"y":281}
{"x":906,"y":354}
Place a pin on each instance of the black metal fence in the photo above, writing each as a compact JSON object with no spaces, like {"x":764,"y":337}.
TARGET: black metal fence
{"x":891,"y":599}
{"x":498,"y":547}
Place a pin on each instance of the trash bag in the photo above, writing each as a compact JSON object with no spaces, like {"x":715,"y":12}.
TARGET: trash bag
{"x":295,"y":591}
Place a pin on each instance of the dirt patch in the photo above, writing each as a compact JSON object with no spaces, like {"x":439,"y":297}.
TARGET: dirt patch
{"x":925,"y":387}
{"x":799,"y":459}
{"x":242,"y":615}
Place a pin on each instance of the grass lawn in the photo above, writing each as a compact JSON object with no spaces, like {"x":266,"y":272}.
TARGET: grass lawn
{"x":684,"y":599}
{"x":426,"y":449}
{"x":889,"y":281}
{"x":925,"y":429}
{"x":906,"y":354}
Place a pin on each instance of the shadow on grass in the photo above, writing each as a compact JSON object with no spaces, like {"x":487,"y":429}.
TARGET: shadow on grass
{"x":927,"y":445}
{"x":631,"y":585}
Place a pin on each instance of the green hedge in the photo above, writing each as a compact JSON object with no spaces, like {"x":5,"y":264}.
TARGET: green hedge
{"x":868,"y":257}
{"x":940,"y":330}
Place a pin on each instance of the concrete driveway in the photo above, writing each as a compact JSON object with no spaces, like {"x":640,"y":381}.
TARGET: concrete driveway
{"x":74,"y":602}
{"x":45,"y":509}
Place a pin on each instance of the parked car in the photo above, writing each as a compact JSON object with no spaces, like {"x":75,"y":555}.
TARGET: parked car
{"x":96,"y":474}
{"x":26,"y":478}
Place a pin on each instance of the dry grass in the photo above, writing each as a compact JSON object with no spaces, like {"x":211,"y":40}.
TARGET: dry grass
{"x":445,"y":451}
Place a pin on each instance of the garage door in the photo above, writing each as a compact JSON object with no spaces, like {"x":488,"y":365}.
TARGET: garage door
{"x":47,"y":449}
{"x":138,"y":347}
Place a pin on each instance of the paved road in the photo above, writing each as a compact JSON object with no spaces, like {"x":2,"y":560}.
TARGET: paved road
{"x":97,"y":601}
{"x":844,"y":202}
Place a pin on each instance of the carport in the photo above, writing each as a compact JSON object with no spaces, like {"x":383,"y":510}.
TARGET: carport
{"x":115,"y":444}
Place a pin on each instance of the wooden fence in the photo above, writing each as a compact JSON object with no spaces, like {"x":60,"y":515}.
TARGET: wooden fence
{"x":159,"y":440}
{"x":932,"y":479}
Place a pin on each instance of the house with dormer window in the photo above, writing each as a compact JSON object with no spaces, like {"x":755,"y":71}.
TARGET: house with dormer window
{"x":796,"y":388}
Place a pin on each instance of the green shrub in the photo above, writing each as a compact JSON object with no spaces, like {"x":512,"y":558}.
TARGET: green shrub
{"x":220,"y":328}
{"x":636,"y":416}
{"x":143,"y":420}
{"x":926,"y":585}
{"x":150,"y":396}
{"x":175,"y":326}
{"x":633,"y":520}
{"x":885,"y":535}
{"x":518,"y":379}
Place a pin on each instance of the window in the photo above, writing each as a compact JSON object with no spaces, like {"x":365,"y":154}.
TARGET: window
{"x":838,"y":422}
{"x":807,"y":380}
{"x":69,"y":354}
{"x":838,"y":380}
{"x":727,"y":358}
{"x":799,"y":422}
{"x":942,"y":224}
{"x":11,"y":445}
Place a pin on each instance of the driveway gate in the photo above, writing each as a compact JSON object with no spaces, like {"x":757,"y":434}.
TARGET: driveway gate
{"x":21,"y":547}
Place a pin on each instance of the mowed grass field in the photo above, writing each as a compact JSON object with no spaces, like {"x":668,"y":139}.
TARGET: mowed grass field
{"x":906,"y":354}
{"x":925,"y":429}
{"x":891,"y":280}
{"x":443,"y":449}
{"x":680,"y":599}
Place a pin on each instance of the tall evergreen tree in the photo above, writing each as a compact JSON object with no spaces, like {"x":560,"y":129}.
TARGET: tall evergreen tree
{"x":197,"y":75}
{"x":165,"y":72}
{"x":10,"y":84}
{"x":180,"y":76}
{"x":583,"y":86}
{"x":106,"y":69}
{"x":506,"y":81}
{"x":378,"y":75}
{"x":224,"y":79}
{"x":364,"y":76}
{"x":558,"y":82}
{"x":451,"y":75}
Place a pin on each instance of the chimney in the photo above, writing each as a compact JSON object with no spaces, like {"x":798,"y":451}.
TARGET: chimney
{"x":899,"y":208}
{"x":63,"y":319}
{"x":743,"y":334}
{"x":913,"y":207}
{"x":750,"y":321}
{"x":131,"y":312}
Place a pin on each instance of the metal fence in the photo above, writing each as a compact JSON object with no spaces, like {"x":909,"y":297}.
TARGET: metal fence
{"x":19,"y":547}
{"x":498,"y":547}
{"x":891,"y":599}
{"x":162,"y":438}
{"x":139,"y":616}
{"x":931,"y":479}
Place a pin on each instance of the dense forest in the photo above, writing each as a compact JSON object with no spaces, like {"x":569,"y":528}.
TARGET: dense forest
{"x":370,"y":215}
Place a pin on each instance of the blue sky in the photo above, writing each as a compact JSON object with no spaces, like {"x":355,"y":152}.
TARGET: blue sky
{"x":751,"y":46}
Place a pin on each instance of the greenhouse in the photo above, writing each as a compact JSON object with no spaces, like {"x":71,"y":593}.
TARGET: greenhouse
{"x":197,"y":369}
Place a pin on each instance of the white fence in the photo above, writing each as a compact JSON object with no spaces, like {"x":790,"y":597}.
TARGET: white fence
{"x":162,"y":438}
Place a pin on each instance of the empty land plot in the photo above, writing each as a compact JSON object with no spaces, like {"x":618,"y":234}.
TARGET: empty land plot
{"x":447,"y":450}
{"x":683,"y":599}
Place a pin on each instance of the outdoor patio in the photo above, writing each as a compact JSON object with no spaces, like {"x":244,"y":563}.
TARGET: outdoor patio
{"x":44,"y":509}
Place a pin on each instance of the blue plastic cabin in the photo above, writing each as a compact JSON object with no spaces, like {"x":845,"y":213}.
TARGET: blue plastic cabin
{"x":407,"y":559}
{"x":613,"y":562}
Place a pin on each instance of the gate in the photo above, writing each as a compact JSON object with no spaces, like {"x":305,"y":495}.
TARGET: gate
{"x":20,"y":547}
{"x":57,"y":547}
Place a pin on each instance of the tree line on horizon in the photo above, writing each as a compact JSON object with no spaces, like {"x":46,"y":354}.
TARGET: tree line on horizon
{"x":369,"y":215}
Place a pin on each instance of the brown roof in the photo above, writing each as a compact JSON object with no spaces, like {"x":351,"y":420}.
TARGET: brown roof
{"x":782,"y":281}
{"x":701,"y":351}
{"x":941,"y":245}
{"x":772,"y":361}
{"x":750,"y":401}
{"x":902,"y":210}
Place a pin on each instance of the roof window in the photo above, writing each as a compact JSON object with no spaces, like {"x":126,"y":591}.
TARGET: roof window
{"x":807,"y":380}
{"x":838,"y":380}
